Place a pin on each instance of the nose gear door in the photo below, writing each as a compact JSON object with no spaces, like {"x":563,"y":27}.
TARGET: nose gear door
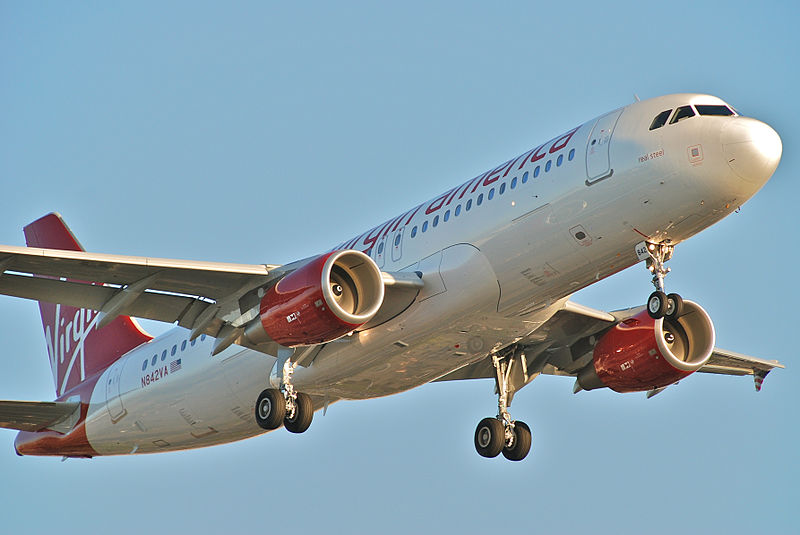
{"x":598,"y":163}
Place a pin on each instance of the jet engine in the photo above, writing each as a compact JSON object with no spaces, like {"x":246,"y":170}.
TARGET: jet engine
{"x":328,"y":297}
{"x":641,"y":353}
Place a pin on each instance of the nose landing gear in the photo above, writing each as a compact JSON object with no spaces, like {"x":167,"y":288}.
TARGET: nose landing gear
{"x":502,"y":434}
{"x":659,"y":304}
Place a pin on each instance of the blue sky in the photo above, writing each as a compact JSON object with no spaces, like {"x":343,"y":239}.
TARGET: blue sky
{"x":260,"y":133}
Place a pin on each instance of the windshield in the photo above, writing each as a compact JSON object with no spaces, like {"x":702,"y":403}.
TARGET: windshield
{"x":713,"y":109}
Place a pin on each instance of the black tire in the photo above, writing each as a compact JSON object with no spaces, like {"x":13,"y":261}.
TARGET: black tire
{"x":674,"y":306}
{"x":270,"y":409}
{"x":657,"y":304}
{"x":522,"y":443}
{"x":489,"y":437}
{"x":303,"y":414}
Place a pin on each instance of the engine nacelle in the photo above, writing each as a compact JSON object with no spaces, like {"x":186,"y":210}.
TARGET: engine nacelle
{"x":321,"y":301}
{"x":641,"y":353}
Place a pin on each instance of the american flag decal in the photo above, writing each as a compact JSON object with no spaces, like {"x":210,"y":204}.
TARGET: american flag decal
{"x":174,"y":366}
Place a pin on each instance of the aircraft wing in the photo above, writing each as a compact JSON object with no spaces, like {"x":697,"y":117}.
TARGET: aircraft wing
{"x":207,"y":297}
{"x":561,"y":346}
{"x":38,"y":415}
{"x":154,"y":288}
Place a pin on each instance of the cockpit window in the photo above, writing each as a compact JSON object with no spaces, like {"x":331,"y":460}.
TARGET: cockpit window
{"x":713,"y":109}
{"x":660,"y":120}
{"x":684,"y":112}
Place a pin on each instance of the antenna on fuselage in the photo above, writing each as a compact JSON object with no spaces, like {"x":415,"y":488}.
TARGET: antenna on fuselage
{"x":637,"y":97}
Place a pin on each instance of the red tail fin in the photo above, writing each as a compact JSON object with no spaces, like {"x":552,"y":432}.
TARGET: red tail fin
{"x":77,"y":348}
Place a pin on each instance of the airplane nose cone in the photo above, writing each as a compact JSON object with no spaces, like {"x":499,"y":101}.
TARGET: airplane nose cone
{"x":752,"y":148}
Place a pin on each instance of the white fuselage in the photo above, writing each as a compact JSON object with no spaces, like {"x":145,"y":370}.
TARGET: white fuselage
{"x":494,"y":269}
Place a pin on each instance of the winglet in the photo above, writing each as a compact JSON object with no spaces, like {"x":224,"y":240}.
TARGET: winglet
{"x":758,"y":378}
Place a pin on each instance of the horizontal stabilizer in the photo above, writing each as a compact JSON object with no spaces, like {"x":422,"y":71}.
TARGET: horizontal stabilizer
{"x":59,"y":416}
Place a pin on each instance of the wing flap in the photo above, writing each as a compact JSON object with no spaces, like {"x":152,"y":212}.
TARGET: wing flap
{"x":150,"y":305}
{"x":59,"y":416}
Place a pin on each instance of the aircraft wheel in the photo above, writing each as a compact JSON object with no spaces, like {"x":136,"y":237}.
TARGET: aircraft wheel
{"x":270,"y":409}
{"x":674,"y":306}
{"x":303,"y":414}
{"x":522,"y":443}
{"x":489,"y":437}
{"x":657,"y":304}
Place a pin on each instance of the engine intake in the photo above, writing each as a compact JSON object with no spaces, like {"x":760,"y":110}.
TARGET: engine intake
{"x":641,"y":353}
{"x":321,"y":301}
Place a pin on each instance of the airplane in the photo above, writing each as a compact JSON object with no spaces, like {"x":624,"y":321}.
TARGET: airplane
{"x":474,"y":283}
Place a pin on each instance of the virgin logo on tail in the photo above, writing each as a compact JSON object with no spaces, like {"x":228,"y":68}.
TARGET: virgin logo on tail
{"x":66,"y":342}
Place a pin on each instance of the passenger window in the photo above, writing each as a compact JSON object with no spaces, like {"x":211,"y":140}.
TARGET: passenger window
{"x":397,"y":240}
{"x":202,"y":338}
{"x":424,"y":226}
{"x":684,"y":112}
{"x":183,"y":345}
{"x":164,"y":355}
{"x":560,"y":160}
{"x":525,"y":177}
{"x":513,"y":182}
{"x":536,"y":172}
{"x":193,"y":342}
{"x":491,"y":194}
{"x":548,"y":165}
{"x":380,"y":248}
{"x":709,"y":109}
{"x":447,"y":215}
{"x":469,"y":204}
{"x":502,"y":188}
{"x":571,"y":154}
{"x":480,"y":199}
{"x":153,"y":361}
{"x":414,"y":231}
{"x":660,"y":119}
{"x":458,"y":210}
{"x":436,"y":221}
{"x":174,"y":349}
{"x":144,"y":365}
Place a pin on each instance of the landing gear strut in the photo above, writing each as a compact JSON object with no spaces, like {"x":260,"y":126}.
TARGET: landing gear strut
{"x":659,"y":304}
{"x":502,"y":434}
{"x":274,"y":406}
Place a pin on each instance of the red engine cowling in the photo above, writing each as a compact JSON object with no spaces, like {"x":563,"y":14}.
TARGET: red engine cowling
{"x":641,"y":353}
{"x":321,"y":301}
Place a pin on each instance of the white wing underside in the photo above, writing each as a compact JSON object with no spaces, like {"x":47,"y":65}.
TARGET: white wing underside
{"x":551,"y":349}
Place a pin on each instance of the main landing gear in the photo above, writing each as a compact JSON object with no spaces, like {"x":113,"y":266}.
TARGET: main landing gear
{"x":660,"y":304}
{"x":274,"y":406}
{"x":502,"y":434}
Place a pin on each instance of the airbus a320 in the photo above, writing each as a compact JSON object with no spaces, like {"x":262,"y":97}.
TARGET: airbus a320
{"x":474,"y":283}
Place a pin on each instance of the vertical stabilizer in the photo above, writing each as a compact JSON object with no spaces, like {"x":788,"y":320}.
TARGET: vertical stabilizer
{"x":77,"y":348}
